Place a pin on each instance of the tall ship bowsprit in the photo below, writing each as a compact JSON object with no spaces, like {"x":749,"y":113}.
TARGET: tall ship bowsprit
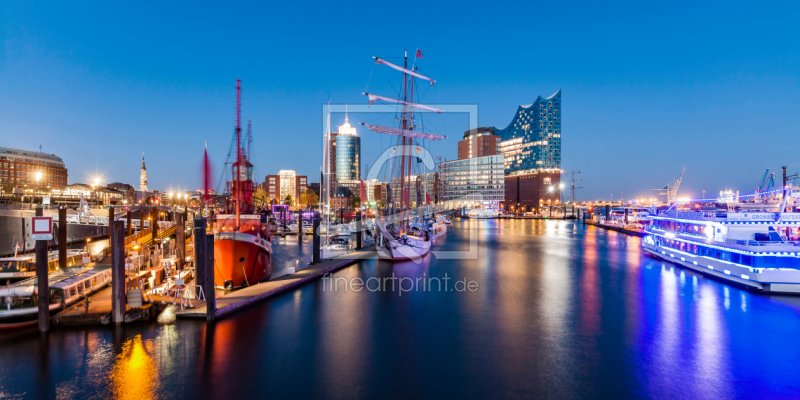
{"x":242,"y":250}
{"x":403,"y":235}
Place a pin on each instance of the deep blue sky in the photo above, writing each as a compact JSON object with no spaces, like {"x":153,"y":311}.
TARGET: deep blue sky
{"x":647,"y":88}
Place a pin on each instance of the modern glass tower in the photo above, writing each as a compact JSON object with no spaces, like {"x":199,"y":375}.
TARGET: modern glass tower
{"x":531,"y":143}
{"x":348,"y":154}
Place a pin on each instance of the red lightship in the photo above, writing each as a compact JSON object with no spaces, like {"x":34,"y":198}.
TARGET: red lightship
{"x":242,"y":251}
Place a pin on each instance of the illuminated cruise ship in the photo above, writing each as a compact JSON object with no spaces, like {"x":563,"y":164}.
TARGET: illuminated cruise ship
{"x":759,"y":249}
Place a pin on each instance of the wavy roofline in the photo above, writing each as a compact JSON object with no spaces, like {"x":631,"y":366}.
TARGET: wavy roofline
{"x":525,"y":107}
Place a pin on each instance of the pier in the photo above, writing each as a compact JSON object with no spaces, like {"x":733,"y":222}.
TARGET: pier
{"x":234,"y":301}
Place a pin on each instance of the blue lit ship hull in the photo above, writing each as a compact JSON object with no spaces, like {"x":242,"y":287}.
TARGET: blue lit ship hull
{"x":760,"y":250}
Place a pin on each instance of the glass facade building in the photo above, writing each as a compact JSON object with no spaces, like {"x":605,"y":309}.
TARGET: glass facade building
{"x":348,"y":154}
{"x":531,"y":143}
{"x":471,"y":183}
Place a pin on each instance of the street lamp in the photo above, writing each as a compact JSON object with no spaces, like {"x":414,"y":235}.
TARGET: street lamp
{"x":38,"y":177}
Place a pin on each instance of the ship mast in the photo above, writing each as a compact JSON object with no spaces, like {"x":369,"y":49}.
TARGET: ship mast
{"x":407,"y":132}
{"x":238,"y":149}
{"x":403,"y":138}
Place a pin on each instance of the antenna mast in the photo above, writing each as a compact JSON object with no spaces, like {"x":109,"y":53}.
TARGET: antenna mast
{"x":572,"y":175}
{"x":238,"y":168}
{"x":249,"y":140}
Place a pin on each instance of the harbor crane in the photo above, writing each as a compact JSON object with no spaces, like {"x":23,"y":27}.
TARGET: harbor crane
{"x":671,"y":191}
{"x":767,"y":182}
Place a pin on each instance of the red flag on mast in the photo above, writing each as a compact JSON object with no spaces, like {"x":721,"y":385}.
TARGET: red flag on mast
{"x":419,"y":53}
{"x":206,"y":176}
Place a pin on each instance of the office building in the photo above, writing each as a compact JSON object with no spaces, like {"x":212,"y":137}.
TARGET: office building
{"x":285,"y":183}
{"x":18,"y":168}
{"x":478,"y":142}
{"x":472,"y":182}
{"x":348,"y":156}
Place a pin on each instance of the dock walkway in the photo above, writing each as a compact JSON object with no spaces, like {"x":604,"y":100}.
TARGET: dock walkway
{"x":618,"y":229}
{"x":241,"y":298}
{"x":98,"y":312}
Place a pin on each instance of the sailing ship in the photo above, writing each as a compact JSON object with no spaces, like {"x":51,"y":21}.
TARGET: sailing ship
{"x":242,"y":251}
{"x":399,"y":238}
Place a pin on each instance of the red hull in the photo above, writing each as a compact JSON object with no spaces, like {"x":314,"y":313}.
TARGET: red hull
{"x":241,"y":260}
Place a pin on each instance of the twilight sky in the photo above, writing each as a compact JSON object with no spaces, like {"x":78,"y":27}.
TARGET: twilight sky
{"x":647,"y":88}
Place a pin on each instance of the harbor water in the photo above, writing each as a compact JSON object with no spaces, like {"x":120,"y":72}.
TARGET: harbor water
{"x":560,"y":310}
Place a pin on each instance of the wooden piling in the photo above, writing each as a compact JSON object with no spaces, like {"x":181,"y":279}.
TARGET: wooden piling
{"x":43,"y":285}
{"x":111,"y":219}
{"x":62,"y":238}
{"x":180,"y":238}
{"x":129,"y":224}
{"x":315,"y":252}
{"x":208,"y":288}
{"x":118,"y":296}
{"x":154,"y":224}
{"x":200,"y":251}
{"x":300,"y":227}
{"x":359,"y":229}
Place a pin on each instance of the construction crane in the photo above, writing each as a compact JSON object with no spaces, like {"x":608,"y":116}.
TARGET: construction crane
{"x":671,"y":191}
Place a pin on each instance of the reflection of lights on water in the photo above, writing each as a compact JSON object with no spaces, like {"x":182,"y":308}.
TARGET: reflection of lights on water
{"x":744,"y":303}
{"x":134,"y":371}
{"x":167,"y":316}
{"x":727,"y":299}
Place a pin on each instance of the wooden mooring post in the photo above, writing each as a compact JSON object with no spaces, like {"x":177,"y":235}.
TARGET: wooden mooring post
{"x":180,"y":238}
{"x":315,"y":255}
{"x":118,"y":296}
{"x":211,"y":295}
{"x":200,"y":253}
{"x":62,"y":238}
{"x":43,"y":285}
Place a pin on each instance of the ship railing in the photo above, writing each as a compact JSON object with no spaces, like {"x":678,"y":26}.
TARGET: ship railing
{"x":693,"y":215}
{"x":762,"y":243}
{"x":181,"y":293}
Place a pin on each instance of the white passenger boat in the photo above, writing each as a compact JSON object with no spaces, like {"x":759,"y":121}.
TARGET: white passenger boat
{"x":483,"y":213}
{"x":24,"y":266}
{"x":68,"y":286}
{"x":760,"y":250}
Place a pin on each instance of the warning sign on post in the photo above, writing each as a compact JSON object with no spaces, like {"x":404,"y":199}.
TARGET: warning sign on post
{"x":42,"y":228}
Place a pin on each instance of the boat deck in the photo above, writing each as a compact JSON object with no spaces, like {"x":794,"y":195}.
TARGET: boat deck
{"x":98,"y":312}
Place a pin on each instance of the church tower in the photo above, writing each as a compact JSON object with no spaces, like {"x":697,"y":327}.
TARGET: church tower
{"x":143,"y":177}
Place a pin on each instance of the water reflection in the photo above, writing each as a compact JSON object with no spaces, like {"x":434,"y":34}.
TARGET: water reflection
{"x":134,"y":372}
{"x":563,"y":310}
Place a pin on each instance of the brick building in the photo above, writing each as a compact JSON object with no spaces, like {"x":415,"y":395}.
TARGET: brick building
{"x":478,"y":142}
{"x":18,"y":168}
{"x":285,"y":183}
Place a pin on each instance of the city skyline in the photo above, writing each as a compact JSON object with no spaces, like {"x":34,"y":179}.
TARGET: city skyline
{"x":688,"y":85}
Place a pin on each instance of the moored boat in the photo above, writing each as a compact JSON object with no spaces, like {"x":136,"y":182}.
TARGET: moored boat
{"x":242,"y":251}
{"x":760,"y":250}
{"x":397,"y":239}
{"x":18,"y":307}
